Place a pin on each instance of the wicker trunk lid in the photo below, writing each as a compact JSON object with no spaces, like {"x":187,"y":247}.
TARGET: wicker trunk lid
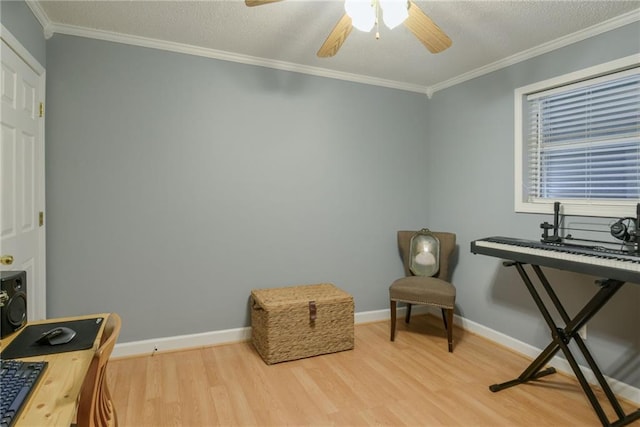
{"x":301,"y":321}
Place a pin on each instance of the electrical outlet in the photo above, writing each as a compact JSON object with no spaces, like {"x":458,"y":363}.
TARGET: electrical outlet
{"x":583,"y":332}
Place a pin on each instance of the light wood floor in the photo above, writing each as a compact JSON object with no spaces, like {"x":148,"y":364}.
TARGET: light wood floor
{"x":413,"y":381}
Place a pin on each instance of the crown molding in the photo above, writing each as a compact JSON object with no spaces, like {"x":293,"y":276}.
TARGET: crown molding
{"x":50,"y":28}
{"x":608,"y":25}
{"x":41,"y":16}
{"x":230,"y":56}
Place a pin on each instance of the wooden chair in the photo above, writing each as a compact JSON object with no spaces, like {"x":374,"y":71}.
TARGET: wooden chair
{"x":95,"y":407}
{"x":435,"y":291}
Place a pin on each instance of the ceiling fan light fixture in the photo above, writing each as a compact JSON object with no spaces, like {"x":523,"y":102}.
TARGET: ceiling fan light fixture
{"x":394,"y":12}
{"x":362,"y":14}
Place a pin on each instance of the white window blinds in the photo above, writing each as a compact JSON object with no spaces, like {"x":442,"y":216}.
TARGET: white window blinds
{"x":584,"y":140}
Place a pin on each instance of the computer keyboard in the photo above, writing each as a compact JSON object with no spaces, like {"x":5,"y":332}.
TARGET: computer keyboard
{"x":17,"y":380}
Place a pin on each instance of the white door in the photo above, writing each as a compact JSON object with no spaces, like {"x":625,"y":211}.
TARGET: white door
{"x":22,"y":236}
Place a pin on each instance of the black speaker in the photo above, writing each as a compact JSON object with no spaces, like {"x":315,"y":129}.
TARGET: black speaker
{"x":13,"y":294}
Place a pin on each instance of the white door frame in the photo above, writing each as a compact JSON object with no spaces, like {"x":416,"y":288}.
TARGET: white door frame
{"x":36,"y":292}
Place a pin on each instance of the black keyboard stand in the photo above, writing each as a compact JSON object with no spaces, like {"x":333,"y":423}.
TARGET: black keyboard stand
{"x":562,"y":337}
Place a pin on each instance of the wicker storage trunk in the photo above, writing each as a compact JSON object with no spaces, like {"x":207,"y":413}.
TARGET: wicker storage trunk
{"x":301,"y":321}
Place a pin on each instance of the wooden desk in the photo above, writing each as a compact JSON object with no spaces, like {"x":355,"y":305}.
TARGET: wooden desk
{"x":53,"y":402}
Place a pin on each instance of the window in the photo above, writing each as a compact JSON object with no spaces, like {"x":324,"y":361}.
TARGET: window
{"x":578,"y":142}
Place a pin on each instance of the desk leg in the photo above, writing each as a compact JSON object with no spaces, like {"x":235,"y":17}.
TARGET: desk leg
{"x":562,"y":337}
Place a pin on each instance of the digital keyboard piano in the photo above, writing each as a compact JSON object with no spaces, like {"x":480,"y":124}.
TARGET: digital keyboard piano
{"x":595,"y":261}
{"x":615,"y":267}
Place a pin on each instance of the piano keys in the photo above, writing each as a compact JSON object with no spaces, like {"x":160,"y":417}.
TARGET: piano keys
{"x":617,"y":267}
{"x":606,"y":263}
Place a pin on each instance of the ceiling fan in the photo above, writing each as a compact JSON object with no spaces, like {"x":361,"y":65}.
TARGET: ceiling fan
{"x":431,"y":36}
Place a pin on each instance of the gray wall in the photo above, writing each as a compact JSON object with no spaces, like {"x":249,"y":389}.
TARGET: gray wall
{"x":470,"y":142}
{"x":20,"y":21}
{"x":176,"y":184}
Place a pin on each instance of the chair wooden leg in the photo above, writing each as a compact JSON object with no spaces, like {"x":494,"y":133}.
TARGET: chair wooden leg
{"x":393,"y":320}
{"x":444,"y":317}
{"x":408,"y":316}
{"x":449,"y":326}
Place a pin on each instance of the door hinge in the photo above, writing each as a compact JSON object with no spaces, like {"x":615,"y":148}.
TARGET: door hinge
{"x":41,"y":218}
{"x":42,"y":109}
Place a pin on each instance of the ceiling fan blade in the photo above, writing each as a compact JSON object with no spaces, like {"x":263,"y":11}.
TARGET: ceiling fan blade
{"x":426,"y":30}
{"x":252,"y":3}
{"x":336,"y":38}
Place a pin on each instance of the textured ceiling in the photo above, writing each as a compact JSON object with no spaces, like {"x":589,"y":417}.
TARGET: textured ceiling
{"x":290,"y":32}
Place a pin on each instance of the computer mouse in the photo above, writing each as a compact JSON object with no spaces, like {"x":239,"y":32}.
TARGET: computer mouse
{"x":57,"y":336}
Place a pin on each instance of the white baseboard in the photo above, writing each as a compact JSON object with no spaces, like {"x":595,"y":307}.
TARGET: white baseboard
{"x":380,"y":315}
{"x":181,"y":342}
{"x":148,"y":347}
{"x":621,"y":389}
